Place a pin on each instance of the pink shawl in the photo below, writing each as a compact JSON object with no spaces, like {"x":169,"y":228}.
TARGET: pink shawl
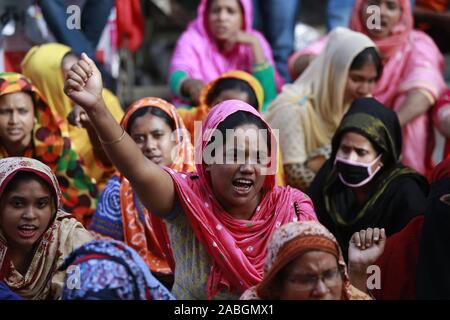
{"x":197,"y":53}
{"x":238,"y":248}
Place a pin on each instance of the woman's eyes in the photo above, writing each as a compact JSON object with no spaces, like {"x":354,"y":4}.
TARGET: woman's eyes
{"x":42,"y":203}
{"x":16,"y":203}
{"x":138,"y":139}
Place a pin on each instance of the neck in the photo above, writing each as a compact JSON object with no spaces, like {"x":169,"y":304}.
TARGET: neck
{"x":361,"y":194}
{"x":17,"y":149}
{"x":21,"y":259}
{"x":225,"y":46}
{"x":245,"y":212}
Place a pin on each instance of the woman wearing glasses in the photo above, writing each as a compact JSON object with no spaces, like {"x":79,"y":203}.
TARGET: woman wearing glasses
{"x":305,"y":262}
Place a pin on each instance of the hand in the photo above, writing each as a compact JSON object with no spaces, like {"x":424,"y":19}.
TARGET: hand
{"x":244,"y":38}
{"x":83,"y":83}
{"x":366,"y":246}
{"x":79,"y":118}
{"x":192,"y":88}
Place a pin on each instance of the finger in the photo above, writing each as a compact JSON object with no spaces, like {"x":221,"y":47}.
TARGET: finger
{"x":80,"y":71}
{"x":376,"y":235}
{"x":362,"y":235}
{"x":89,"y":61}
{"x":74,"y":76}
{"x":71,"y":86}
{"x":383,"y":234}
{"x":357,"y":239}
{"x":86,"y":67}
{"x":369,"y":235}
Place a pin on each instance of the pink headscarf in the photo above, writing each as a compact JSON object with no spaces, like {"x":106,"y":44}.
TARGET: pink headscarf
{"x":400,"y":33}
{"x":238,"y":248}
{"x":197,"y":53}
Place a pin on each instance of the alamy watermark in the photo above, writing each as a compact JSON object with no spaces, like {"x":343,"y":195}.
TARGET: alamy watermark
{"x":73,"y":20}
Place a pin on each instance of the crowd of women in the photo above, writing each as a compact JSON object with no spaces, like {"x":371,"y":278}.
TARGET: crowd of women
{"x":244,"y":187}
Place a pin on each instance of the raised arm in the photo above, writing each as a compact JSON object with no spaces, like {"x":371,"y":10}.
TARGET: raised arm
{"x":153,"y":185}
{"x":365,"y":247}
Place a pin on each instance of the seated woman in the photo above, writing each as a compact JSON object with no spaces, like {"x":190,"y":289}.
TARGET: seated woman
{"x":441,"y":120}
{"x":305,"y":262}
{"x":238,"y":85}
{"x":46,"y":66}
{"x":412,"y":78}
{"x":110,"y":270}
{"x":308,"y":111}
{"x":414,"y":261}
{"x":28,"y":128}
{"x":220,"y":39}
{"x":224,"y":214}
{"x":35,"y":235}
{"x":152,"y":123}
{"x":364,"y":184}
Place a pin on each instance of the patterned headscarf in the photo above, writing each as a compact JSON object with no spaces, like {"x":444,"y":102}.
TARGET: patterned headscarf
{"x":42,"y":280}
{"x":289,"y":242}
{"x":142,"y":229}
{"x":110,"y":270}
{"x":52,"y":146}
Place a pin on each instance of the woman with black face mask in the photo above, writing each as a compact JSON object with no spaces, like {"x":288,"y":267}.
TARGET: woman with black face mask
{"x":364,"y":184}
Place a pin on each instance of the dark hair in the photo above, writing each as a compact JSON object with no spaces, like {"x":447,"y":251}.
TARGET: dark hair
{"x":233,"y":84}
{"x":27,"y":176}
{"x":367,"y":56}
{"x":154,"y":111}
{"x":241,"y":118}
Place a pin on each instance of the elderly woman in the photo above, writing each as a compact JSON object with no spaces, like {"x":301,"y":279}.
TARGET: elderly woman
{"x":364,"y":183}
{"x":305,"y":262}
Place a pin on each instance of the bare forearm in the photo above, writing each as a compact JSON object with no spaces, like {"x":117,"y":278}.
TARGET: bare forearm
{"x":358,"y":277}
{"x":97,"y":146}
{"x":258,"y":52}
{"x":153,"y":185}
{"x":415,"y":104}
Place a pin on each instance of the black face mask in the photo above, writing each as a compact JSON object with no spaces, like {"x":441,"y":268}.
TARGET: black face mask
{"x":355,"y":174}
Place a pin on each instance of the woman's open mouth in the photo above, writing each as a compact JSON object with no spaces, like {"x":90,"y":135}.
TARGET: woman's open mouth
{"x":27,"y":231}
{"x":242,"y":186}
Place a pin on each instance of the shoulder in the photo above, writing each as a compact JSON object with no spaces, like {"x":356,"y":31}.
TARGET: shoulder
{"x":71,"y":234}
{"x":410,"y":182}
{"x":424,"y":46}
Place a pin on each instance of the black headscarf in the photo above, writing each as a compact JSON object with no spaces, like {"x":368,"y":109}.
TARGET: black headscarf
{"x":395,"y":195}
{"x":433,"y":267}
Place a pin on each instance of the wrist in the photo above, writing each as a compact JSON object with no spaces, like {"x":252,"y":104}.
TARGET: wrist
{"x":357,"y":268}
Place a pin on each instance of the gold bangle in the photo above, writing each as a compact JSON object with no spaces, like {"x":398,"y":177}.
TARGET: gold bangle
{"x":108,"y":143}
